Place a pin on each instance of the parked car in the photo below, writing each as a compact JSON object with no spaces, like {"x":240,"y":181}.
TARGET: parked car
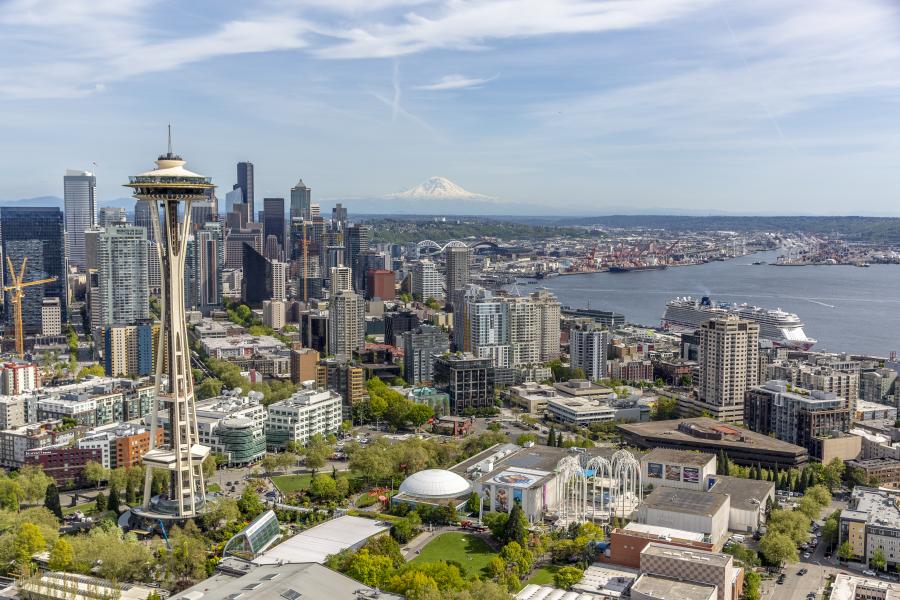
{"x":780,"y":579}
{"x":802,"y":572}
{"x":869,"y":572}
{"x":806,"y":555}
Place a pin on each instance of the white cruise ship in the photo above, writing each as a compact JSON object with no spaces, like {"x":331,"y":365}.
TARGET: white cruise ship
{"x":782,"y":328}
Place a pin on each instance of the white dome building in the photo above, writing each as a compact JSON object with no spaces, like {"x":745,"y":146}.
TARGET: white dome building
{"x":435,"y":487}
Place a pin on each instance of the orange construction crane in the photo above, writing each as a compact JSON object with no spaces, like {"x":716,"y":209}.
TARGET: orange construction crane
{"x":16,"y":293}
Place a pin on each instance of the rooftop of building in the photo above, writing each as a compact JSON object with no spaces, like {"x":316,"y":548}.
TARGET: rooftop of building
{"x":875,"y":506}
{"x":282,"y":582}
{"x":851,"y":587}
{"x":719,"y":559}
{"x":709,"y":433}
{"x":92,"y":386}
{"x":658,"y":532}
{"x":691,"y":502}
{"x":582,"y":387}
{"x":682,"y":457}
{"x":666,"y":588}
{"x":746,"y":494}
{"x":869,"y":406}
{"x":240,"y":341}
{"x":306,"y":397}
{"x":317,"y":543}
{"x":874,"y":463}
{"x":809,"y":397}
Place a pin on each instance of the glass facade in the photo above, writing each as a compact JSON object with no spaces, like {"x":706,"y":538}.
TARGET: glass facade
{"x":244,"y":443}
{"x":254,"y":538}
{"x":35,"y":233}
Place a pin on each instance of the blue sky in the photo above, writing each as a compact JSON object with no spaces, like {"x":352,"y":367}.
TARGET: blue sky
{"x":771,"y":106}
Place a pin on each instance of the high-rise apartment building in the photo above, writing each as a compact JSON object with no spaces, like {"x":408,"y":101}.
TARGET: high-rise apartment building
{"x":341,"y":279}
{"x":588,"y":346}
{"x":397,"y":323}
{"x":346,"y":323}
{"x":523,"y":318}
{"x":273,"y":313}
{"x":36,"y":233}
{"x":368,"y":260}
{"x":339,"y":216}
{"x":426,"y":281}
{"x":421,"y":347}
{"x":273,"y":220}
{"x":482,"y":326}
{"x":459,"y":263}
{"x":123,"y":275}
{"x":245,"y":182}
{"x":301,"y":198}
{"x":729,"y":354}
{"x":128,"y":350}
{"x":548,"y":323}
{"x":209,"y":262}
{"x":279,"y":280}
{"x":51,"y":317}
{"x":80,"y":200}
{"x":304,"y":363}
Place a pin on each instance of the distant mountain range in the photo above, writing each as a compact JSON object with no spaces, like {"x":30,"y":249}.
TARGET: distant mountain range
{"x":57,"y":202}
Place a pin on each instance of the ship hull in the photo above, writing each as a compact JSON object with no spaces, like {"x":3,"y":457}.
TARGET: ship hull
{"x":620,"y":269}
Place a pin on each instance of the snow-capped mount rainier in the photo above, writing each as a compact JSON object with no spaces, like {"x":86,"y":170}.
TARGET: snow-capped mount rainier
{"x":438,"y":188}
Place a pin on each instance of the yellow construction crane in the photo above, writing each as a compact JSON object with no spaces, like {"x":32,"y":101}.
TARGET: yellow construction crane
{"x":16,"y":293}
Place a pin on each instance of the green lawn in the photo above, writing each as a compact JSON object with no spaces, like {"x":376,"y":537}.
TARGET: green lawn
{"x":291,"y":483}
{"x":213,"y":487}
{"x":542,"y":576}
{"x":86,"y":507}
{"x":466,"y":549}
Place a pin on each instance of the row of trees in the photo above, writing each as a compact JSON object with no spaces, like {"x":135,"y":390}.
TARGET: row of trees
{"x":787,"y":529}
{"x":393,"y":407}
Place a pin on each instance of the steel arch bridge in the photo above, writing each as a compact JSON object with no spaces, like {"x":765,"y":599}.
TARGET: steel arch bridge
{"x":430,"y":247}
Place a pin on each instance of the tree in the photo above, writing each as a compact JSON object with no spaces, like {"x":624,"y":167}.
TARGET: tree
{"x":820,"y":494}
{"x":101,"y":502}
{"x":473,"y":504}
{"x":94,"y":370}
{"x":791,"y":523}
{"x":551,"y":437}
{"x":94,"y":471}
{"x":845,"y":551}
{"x":566,"y":577}
{"x":61,"y":556}
{"x":209,"y":388}
{"x":33,"y":482}
{"x":370,"y":569}
{"x":419,"y":414}
{"x":249,"y":504}
{"x":114,"y":501}
{"x":752,"y":581}
{"x":517,"y":558}
{"x":525,"y":438}
{"x":10,"y":494}
{"x":833,"y":473}
{"x":809,"y":507}
{"x":406,"y":528}
{"x":664,"y":409}
{"x":317,"y":451}
{"x":830,"y":529}
{"x":516,"y":527}
{"x":51,"y":501}
{"x":29,"y":540}
{"x":323,"y":487}
{"x":778,"y":548}
{"x":878,"y":561}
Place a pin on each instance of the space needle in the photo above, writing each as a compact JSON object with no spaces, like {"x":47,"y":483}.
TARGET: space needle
{"x":173,"y":188}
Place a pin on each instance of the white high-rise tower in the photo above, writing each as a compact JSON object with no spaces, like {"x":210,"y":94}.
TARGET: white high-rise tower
{"x":166,"y":187}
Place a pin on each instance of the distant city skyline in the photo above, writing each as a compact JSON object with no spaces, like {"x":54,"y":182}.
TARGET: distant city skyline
{"x":592,"y":106}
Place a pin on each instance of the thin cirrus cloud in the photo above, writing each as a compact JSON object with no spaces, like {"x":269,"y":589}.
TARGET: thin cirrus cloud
{"x":455,"y":82}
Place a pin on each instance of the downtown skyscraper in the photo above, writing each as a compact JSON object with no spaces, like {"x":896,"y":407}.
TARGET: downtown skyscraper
{"x":122,"y":257}
{"x":38,"y":234}
{"x":245,"y":182}
{"x":80,"y":201}
{"x":301,"y":201}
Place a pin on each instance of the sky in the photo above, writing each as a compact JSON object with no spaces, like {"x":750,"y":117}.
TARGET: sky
{"x":548,"y":106}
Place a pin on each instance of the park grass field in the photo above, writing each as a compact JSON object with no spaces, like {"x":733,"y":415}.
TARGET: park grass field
{"x":468,"y":550}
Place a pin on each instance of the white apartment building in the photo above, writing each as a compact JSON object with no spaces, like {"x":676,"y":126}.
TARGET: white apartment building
{"x":279,"y":280}
{"x":427,"y":281}
{"x":307,"y":412}
{"x":729,"y":360}
{"x":273,"y":313}
{"x":51,"y":316}
{"x":588,"y":347}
